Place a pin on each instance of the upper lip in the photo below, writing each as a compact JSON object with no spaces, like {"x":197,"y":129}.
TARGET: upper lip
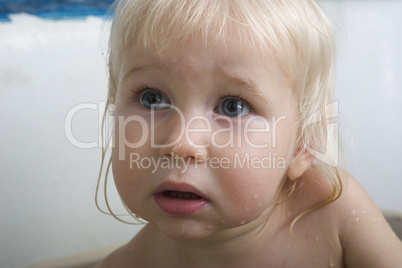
{"x":178,"y":187}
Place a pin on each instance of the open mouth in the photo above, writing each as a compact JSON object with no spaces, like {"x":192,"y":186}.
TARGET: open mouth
{"x":181,"y":195}
{"x":180,"y":199}
{"x":180,"y":203}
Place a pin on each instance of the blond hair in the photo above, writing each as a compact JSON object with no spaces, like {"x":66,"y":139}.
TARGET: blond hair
{"x":297,"y":34}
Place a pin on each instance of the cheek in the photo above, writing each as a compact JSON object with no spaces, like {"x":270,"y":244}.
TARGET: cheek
{"x":122,"y":174}
{"x":130,"y":131}
{"x":122,"y":153}
{"x":129,"y":182}
{"x":248,"y":190}
{"x":258,"y":166}
{"x":126,"y":154}
{"x":253,"y":183}
{"x":276,"y":135}
{"x":131,"y":142}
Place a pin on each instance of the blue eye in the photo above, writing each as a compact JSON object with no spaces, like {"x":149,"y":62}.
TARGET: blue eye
{"x":233,"y":107}
{"x":153,"y":100}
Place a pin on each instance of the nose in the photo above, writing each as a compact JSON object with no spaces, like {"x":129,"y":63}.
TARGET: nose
{"x":186,"y":138}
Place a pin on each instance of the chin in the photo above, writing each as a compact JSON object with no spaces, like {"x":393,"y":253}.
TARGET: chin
{"x":186,"y":229}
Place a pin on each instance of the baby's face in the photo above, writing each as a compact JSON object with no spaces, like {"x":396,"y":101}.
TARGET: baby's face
{"x":203,"y":137}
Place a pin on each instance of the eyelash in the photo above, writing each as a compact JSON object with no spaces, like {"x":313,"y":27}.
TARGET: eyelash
{"x":236,"y":96}
{"x":141,"y":89}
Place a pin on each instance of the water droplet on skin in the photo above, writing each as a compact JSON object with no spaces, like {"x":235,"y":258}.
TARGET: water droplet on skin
{"x":357,"y":219}
{"x":111,"y":107}
{"x":364,"y":212}
{"x":353,"y":212}
{"x":255,"y":196}
{"x":260,"y":204}
{"x":317,"y":239}
{"x":289,"y":213}
{"x":182,"y":229}
{"x":331,"y":264}
{"x":224,"y":221}
{"x":246,"y":208}
{"x":242,"y":222}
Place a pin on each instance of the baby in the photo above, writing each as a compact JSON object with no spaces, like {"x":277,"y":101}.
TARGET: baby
{"x":225,"y":141}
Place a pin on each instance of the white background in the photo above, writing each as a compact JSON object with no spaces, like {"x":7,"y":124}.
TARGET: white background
{"x":46,"y":67}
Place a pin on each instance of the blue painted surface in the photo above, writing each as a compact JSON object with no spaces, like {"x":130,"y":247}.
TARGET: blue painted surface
{"x":54,"y":9}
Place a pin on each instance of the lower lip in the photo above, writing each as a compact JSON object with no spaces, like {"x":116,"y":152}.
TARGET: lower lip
{"x":180,"y":207}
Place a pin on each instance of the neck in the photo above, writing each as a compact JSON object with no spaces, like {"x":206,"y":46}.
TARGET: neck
{"x":228,"y":248}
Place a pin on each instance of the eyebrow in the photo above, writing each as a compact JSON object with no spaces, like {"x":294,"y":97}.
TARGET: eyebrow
{"x":134,"y":69}
{"x":249,"y":85}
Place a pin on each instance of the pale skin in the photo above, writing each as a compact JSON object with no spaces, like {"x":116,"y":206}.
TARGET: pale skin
{"x":240,"y":225}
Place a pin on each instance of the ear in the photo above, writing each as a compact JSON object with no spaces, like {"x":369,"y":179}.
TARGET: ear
{"x":301,"y":162}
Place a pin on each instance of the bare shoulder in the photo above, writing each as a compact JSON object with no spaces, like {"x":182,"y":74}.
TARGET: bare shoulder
{"x":353,"y":223}
{"x":366,"y":237}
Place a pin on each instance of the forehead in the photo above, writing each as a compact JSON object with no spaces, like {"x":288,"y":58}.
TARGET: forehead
{"x":187,"y":51}
{"x":195,"y":54}
{"x":231,"y":35}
